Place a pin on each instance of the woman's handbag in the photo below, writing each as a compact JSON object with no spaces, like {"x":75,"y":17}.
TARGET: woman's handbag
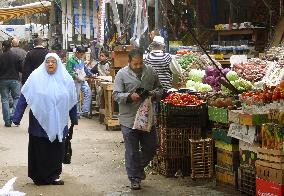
{"x":68,"y":148}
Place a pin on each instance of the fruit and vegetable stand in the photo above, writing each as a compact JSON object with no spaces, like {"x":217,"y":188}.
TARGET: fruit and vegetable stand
{"x":247,"y":129}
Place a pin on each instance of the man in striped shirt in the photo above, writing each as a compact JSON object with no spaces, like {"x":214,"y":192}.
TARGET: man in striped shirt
{"x":160,"y":61}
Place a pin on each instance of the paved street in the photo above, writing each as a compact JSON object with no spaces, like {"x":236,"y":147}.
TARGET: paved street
{"x":97,"y":166}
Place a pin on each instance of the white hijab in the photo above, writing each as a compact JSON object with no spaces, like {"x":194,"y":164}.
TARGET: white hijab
{"x":51,"y":96}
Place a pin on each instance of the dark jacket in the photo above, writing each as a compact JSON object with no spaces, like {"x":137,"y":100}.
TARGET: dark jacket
{"x":33,"y":60}
{"x":10,"y":66}
{"x":34,"y":127}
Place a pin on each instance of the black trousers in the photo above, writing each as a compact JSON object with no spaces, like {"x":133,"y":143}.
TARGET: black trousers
{"x":44,"y":159}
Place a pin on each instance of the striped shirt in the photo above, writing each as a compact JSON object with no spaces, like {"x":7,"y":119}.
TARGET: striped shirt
{"x":161,"y":62}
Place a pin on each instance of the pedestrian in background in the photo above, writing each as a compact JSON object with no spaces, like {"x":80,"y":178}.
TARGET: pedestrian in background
{"x":51,"y":94}
{"x":17,"y":50}
{"x":77,"y":69}
{"x":34,"y":58}
{"x":160,"y":61}
{"x":10,"y":66}
{"x":140,"y":146}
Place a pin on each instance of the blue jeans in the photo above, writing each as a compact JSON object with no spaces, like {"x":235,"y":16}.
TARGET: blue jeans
{"x":7,"y":87}
{"x":87,"y":93}
{"x":140,"y":148}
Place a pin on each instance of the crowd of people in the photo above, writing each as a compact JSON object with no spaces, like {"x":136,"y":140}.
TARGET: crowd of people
{"x":51,"y":88}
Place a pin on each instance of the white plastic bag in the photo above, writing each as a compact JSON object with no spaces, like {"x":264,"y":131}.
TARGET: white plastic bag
{"x":8,"y":189}
{"x":144,"y":118}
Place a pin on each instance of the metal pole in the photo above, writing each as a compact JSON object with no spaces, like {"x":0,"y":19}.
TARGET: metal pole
{"x":156,"y":14}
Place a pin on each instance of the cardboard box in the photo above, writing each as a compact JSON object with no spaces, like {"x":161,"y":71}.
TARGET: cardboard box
{"x":219,"y":115}
{"x":272,"y":136}
{"x":248,"y":147}
{"x":242,"y":132}
{"x":266,"y":188}
{"x":234,"y":116}
{"x":225,"y":146}
{"x":228,"y":159}
{"x":253,"y":119}
{"x":269,"y":174}
{"x":226,"y":177}
{"x":222,"y":135}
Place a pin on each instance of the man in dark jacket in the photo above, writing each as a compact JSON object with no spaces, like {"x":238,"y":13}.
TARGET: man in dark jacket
{"x":10,"y":66}
{"x":34,"y":58}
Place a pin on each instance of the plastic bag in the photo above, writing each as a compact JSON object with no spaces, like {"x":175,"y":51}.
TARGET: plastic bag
{"x":144,"y":118}
{"x":8,"y":189}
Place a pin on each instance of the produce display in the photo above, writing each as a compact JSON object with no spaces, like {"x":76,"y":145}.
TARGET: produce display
{"x":182,"y":99}
{"x":194,"y":83}
{"x":213,"y":77}
{"x":272,"y":135}
{"x":274,"y":74}
{"x":275,"y":53}
{"x":193,"y":60}
{"x":254,"y":70}
{"x":268,"y":95}
{"x":221,"y":100}
{"x":187,"y":60}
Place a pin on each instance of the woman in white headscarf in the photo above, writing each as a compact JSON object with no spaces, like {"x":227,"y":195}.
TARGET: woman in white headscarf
{"x":51,"y":94}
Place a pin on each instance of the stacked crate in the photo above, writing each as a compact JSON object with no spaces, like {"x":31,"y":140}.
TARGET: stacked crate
{"x":201,"y":158}
{"x":226,"y":148}
{"x":270,"y":162}
{"x":247,"y":170}
{"x":246,"y":128}
{"x":176,"y":126}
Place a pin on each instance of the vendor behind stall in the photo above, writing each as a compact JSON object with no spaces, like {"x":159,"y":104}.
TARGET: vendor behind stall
{"x":103,"y":66}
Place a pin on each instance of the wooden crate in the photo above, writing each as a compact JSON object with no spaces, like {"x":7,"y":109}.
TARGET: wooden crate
{"x":274,"y":156}
{"x":109,"y":111}
{"x":247,"y":177}
{"x":120,"y":55}
{"x":201,"y":158}
{"x":175,"y":141}
{"x":172,"y":166}
{"x":93,"y":83}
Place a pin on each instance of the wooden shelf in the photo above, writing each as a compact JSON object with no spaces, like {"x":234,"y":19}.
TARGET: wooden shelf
{"x":236,"y":32}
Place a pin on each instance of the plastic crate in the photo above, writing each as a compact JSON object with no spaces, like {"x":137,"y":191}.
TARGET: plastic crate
{"x":184,"y":121}
{"x":171,"y":110}
{"x":247,"y":179}
{"x":201,"y":158}
{"x":175,"y":141}
{"x":170,"y":167}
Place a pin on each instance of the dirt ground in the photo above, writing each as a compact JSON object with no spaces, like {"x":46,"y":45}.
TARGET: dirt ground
{"x":97,"y":167}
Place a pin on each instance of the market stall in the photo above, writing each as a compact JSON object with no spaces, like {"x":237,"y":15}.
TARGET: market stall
{"x":247,"y":128}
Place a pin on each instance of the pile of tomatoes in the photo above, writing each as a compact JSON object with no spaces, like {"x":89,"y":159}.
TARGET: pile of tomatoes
{"x":268,"y":95}
{"x":182,"y":99}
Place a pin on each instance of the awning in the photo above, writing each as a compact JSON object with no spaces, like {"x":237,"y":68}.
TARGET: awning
{"x":28,"y":9}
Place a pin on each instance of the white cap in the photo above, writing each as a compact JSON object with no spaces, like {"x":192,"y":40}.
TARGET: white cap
{"x":159,"y":40}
